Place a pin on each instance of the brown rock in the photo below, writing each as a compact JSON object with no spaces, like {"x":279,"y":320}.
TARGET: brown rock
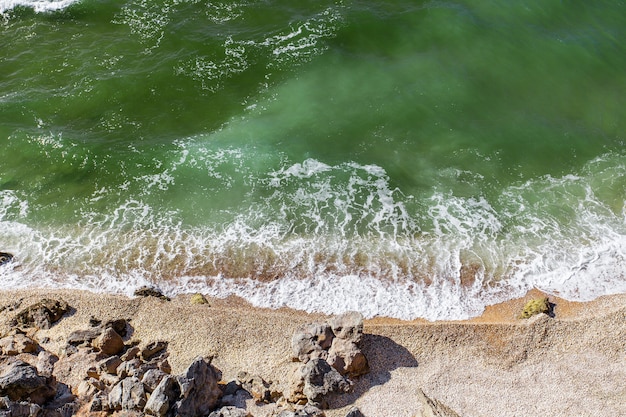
{"x":109,"y":365}
{"x":347,"y":358}
{"x":153,"y":349}
{"x":348,"y":326}
{"x":16,"y":344}
{"x":42,"y":314}
{"x":109,"y":342}
{"x":310,"y":341}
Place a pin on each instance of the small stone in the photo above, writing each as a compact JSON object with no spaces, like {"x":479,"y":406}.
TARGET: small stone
{"x":5,"y":258}
{"x":198,"y":298}
{"x":131,"y":353}
{"x":536,"y":306}
{"x":110,"y":365}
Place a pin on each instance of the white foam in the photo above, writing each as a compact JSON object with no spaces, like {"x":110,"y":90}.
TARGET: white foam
{"x":39,"y":6}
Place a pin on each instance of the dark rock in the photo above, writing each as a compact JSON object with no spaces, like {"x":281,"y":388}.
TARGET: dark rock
{"x":130,"y":368}
{"x":42,"y":314}
{"x":18,"y":379}
{"x":109,"y":342}
{"x":119,"y":325}
{"x":150,"y":292}
{"x":348,"y":326}
{"x":321,"y":379}
{"x":310,"y":341}
{"x":80,"y":337}
{"x":230,"y":411}
{"x":163,"y":397}
{"x":16,"y":344}
{"x":153,"y":349}
{"x":345,"y":356}
{"x":199,"y":389}
{"x":128,"y":394}
{"x":5,"y":258}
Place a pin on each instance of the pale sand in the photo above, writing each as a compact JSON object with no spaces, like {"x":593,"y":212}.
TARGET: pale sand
{"x":495,"y":365}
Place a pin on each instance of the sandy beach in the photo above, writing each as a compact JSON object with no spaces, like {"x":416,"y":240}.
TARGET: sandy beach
{"x":495,"y":365}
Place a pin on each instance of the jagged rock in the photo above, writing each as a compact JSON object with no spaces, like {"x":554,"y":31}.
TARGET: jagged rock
{"x":16,"y":344}
{"x":199,"y":389}
{"x":433,"y":407}
{"x":80,"y":337}
{"x":88,"y":388}
{"x":321,"y":379}
{"x":42,"y":314}
{"x":10,"y":408}
{"x":256,"y":387}
{"x":348,"y":326}
{"x":18,"y":379}
{"x":130,"y":368}
{"x":109,"y":342}
{"x":230,"y":411}
{"x":153,"y":349}
{"x":152,"y":378}
{"x":150,"y":292}
{"x":163,"y":397}
{"x":131,"y":354}
{"x":128,"y":394}
{"x":345,"y":356}
{"x":310,"y":341}
{"x":109,"y":365}
{"x":45,"y":363}
{"x":354,"y":412}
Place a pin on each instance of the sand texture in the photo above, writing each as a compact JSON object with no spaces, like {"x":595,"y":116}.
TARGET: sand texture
{"x":497,"y":365}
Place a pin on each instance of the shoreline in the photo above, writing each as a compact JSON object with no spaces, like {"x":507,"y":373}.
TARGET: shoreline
{"x":575,"y":363}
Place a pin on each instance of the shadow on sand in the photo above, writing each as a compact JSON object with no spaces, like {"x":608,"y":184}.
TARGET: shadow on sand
{"x":384,"y":355}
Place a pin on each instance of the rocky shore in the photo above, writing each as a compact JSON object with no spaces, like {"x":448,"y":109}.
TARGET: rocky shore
{"x":66,"y":353}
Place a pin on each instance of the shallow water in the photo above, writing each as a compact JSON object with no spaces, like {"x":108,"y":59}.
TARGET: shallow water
{"x":403,"y":158}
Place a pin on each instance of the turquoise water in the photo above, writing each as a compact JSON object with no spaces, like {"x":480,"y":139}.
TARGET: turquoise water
{"x":403,"y":158}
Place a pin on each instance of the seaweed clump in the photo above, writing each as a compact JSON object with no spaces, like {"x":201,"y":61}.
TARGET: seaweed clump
{"x":537,"y":306}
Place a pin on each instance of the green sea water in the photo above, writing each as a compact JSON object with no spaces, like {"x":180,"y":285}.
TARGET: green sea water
{"x":411,"y":158}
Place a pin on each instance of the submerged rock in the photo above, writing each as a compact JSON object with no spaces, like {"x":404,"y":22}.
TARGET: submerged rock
{"x":5,"y":258}
{"x":150,"y":292}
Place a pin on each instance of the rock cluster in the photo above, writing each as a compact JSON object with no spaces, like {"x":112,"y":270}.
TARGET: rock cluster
{"x":98,"y":371}
{"x":330,"y":355}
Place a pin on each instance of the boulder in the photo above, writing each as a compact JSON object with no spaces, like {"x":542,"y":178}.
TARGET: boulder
{"x":42,"y":314}
{"x":163,"y":397}
{"x":109,"y":342}
{"x":199,"y":389}
{"x":310,"y":341}
{"x":321,"y":379}
{"x":45,"y":363}
{"x":84,"y":337}
{"x":348,"y":326}
{"x":16,"y":344}
{"x":128,"y":394}
{"x":18,"y":379}
{"x":109,"y":365}
{"x":152,"y":378}
{"x":345,"y":356}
